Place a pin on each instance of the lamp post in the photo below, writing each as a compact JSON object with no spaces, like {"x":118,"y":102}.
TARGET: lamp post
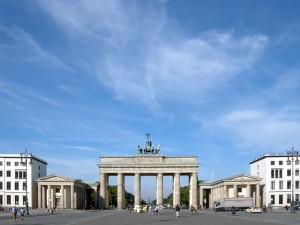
{"x":25,"y":160}
{"x":291,"y":155}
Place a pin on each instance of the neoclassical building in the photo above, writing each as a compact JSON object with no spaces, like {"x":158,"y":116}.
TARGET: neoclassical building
{"x":66,"y":193}
{"x":144,"y":165}
{"x":241,"y":185}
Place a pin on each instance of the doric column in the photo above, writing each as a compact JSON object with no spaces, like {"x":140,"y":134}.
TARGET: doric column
{"x":43,"y":197}
{"x":137,"y":189}
{"x":159,"y":189}
{"x":39,"y":196}
{"x":201,"y":196}
{"x":120,"y":191}
{"x":248,"y":190}
{"x":193,"y":188}
{"x":225,"y":190}
{"x":257,"y":195}
{"x":72,"y":196}
{"x":62,"y":196}
{"x":103,"y":187}
{"x":235,"y":192}
{"x":176,"y":191}
{"x":48,"y":195}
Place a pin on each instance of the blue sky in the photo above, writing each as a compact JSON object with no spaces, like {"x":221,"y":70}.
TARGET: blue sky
{"x":214,"y":79}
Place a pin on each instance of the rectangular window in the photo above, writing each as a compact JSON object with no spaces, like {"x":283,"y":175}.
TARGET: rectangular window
{"x":297,"y":184}
{"x":280,"y":162}
{"x":297,"y":197}
{"x":272,"y":199}
{"x":8,"y":173}
{"x":16,"y":185}
{"x":281,"y":184}
{"x":8,"y":163}
{"x":272,"y":163}
{"x":16,"y":200}
{"x":20,"y":175}
{"x":24,"y":174}
{"x":16,"y":174}
{"x":1,"y":199}
{"x":39,"y":167}
{"x":8,"y":185}
{"x":280,"y":173}
{"x":288,"y":198}
{"x":272,"y":185}
{"x":297,"y":162}
{"x":16,"y":163}
{"x":1,"y":185}
{"x":297,"y":172}
{"x":272,"y":173}
{"x":288,"y":184}
{"x":8,"y":199}
{"x":24,"y":186}
{"x":288,"y":173}
{"x":280,"y":199}
{"x":288,"y":162}
{"x":1,"y":163}
{"x":1,"y":173}
{"x":24,"y":199}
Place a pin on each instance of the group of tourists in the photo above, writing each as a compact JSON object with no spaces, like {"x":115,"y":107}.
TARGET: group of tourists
{"x":15,"y":212}
{"x":155,"y":210}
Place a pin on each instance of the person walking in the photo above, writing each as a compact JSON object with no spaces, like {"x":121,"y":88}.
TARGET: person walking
{"x":22,"y":212}
{"x":177,"y":210}
{"x":14,"y":211}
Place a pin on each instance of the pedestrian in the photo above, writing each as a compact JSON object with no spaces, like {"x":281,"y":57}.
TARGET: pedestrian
{"x":22,"y":212}
{"x":233,"y":210}
{"x":177,"y":209}
{"x":14,"y":211}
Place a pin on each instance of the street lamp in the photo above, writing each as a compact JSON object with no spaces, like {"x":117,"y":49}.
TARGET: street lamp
{"x":25,"y":162}
{"x":291,"y":154}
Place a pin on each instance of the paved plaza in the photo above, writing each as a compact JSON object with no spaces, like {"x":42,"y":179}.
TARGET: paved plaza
{"x":123,"y":217}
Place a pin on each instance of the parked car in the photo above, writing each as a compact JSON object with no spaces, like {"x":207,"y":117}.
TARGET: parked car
{"x":254,"y":210}
{"x":297,"y":207}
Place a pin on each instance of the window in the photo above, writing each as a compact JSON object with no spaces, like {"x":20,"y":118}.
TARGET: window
{"x":8,"y":199}
{"x":288,"y":197}
{"x":8,"y":185}
{"x":276,"y":173}
{"x":20,"y":174}
{"x":296,"y":172}
{"x":280,"y":162}
{"x":297,"y":162}
{"x":1,"y":173}
{"x":57,"y":190}
{"x":39,"y":167}
{"x":281,"y":184}
{"x":8,"y":163}
{"x":297,"y":184}
{"x":1,"y":163}
{"x":16,"y":200}
{"x":1,"y":185}
{"x":272,"y":163}
{"x":280,"y":199}
{"x":24,"y":175}
{"x":16,"y":163}
{"x":288,"y":184}
{"x":272,"y":185}
{"x":16,"y":174}
{"x":24,"y":186}
{"x":24,"y":199}
{"x":289,"y":173}
{"x":297,"y":197}
{"x":8,"y":173}
{"x":16,"y":185}
{"x":1,"y":199}
{"x":272,"y":199}
{"x":288,"y":162}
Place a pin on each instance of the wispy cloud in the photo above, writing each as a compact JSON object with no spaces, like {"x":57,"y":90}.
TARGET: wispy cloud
{"x":25,"y":44}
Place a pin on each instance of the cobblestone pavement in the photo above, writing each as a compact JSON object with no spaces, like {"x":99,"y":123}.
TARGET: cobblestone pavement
{"x":123,"y":217}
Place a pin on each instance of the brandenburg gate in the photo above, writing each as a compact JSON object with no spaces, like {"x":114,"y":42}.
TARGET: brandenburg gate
{"x":148,"y":162}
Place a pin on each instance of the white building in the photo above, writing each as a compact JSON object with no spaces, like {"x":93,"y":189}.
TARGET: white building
{"x":279,"y":181}
{"x":13,"y":177}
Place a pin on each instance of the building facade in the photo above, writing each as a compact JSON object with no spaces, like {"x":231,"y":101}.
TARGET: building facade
{"x":56,"y":191}
{"x":280,"y":178}
{"x":241,"y":185}
{"x":17,"y":179}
